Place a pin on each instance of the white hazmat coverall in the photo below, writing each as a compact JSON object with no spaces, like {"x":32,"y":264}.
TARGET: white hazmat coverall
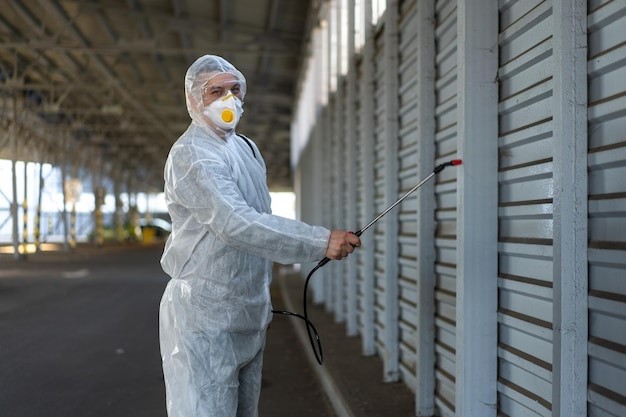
{"x":216,"y":308}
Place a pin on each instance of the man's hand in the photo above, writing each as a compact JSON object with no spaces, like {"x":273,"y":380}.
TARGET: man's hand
{"x":341,"y":244}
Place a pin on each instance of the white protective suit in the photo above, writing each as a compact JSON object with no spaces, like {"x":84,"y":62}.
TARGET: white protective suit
{"x":216,"y":308}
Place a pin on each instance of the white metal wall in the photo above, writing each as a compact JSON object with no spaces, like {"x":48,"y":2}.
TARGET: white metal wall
{"x":534,"y":286}
{"x":525,"y":200}
{"x":607,"y":207}
{"x":445,"y":195}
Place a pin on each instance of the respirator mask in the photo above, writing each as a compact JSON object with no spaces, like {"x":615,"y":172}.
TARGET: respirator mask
{"x":225,"y":112}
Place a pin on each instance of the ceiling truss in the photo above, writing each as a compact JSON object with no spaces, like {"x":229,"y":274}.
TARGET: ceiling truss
{"x":106,"y":76}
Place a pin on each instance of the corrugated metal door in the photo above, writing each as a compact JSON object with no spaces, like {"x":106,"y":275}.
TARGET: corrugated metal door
{"x":525,"y":209}
{"x":445,"y":213}
{"x":607,"y":202}
{"x":379,"y":191}
{"x":407,"y":235}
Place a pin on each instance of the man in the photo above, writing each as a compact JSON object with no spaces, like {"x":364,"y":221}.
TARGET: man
{"x":216,"y":308}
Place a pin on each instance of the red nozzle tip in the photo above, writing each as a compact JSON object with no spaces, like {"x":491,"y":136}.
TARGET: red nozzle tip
{"x":457,"y":161}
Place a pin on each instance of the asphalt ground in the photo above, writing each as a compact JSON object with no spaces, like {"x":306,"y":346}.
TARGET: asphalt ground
{"x":79,"y":338}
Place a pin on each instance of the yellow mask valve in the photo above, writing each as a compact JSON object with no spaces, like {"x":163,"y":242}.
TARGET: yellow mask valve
{"x":228,"y":115}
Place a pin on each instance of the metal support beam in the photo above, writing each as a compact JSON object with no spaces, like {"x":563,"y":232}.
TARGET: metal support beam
{"x":225,"y":7}
{"x":25,"y":210}
{"x":64,"y":177}
{"x":339,"y":156}
{"x":351,"y":174}
{"x":14,"y":212}
{"x":37,"y":225}
{"x":328,"y":212}
{"x":319,"y":156}
{"x":55,"y":10}
{"x":368,"y":336}
{"x":391,"y":356}
{"x":477,"y":205}
{"x":425,"y":297}
{"x":570,"y":319}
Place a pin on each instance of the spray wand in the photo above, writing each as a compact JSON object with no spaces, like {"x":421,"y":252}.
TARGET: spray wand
{"x":311,"y":331}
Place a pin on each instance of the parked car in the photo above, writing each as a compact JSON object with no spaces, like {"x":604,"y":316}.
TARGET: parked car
{"x":156,"y":227}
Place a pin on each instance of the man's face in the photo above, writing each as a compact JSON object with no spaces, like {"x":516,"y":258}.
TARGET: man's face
{"x":218,"y":86}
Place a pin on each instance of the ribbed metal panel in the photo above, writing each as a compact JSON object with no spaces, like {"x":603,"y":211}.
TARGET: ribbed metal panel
{"x":525,"y":208}
{"x":607,"y":208}
{"x":445,"y":214}
{"x":379,"y":190}
{"x":407,"y":166}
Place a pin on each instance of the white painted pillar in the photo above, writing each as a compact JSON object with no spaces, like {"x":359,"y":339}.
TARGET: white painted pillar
{"x":14,"y":205}
{"x":37,"y":224}
{"x":330,"y":203}
{"x":570,"y":323}
{"x":367,"y":174}
{"x":340,"y":162}
{"x":351,"y":138}
{"x":64,"y":178}
{"x":25,"y":209}
{"x":425,"y":298}
{"x":391,"y":356}
{"x":319,"y":147}
{"x":330,"y":80}
{"x":318,"y":201}
{"x":477,"y":205}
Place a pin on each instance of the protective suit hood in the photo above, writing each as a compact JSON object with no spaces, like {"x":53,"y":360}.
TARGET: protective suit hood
{"x":198,"y":77}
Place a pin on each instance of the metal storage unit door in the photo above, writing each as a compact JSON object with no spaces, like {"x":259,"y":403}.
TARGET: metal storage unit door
{"x":407,"y":230}
{"x":525,"y":208}
{"x":607,"y":202}
{"x":445,"y":212}
{"x":379,"y":190}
